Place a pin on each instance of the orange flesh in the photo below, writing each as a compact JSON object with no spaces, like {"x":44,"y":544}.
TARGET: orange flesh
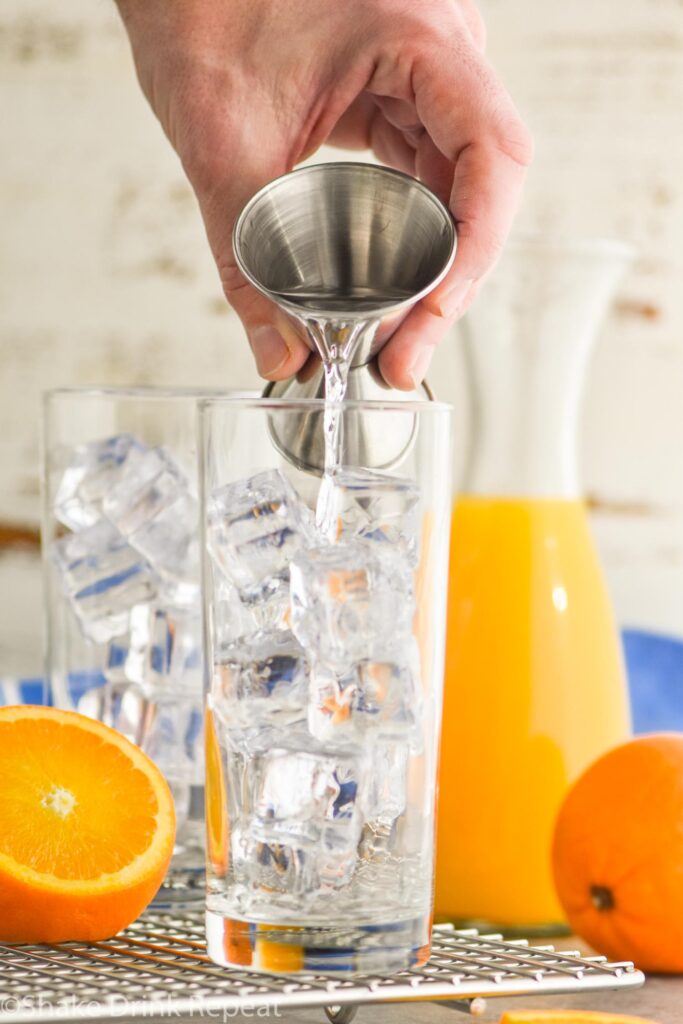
{"x":54,"y":817}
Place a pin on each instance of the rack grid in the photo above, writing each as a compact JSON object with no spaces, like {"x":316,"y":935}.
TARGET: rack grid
{"x":159,"y":967}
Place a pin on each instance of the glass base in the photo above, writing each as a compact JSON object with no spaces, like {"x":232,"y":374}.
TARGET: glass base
{"x":298,"y":949}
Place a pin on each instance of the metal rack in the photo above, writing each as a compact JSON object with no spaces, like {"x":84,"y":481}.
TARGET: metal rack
{"x":159,"y":966}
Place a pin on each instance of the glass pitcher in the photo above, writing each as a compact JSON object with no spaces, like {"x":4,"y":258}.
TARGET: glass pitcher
{"x":534,"y":685}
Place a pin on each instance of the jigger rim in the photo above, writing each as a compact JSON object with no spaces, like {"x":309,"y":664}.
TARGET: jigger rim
{"x":343,"y":166}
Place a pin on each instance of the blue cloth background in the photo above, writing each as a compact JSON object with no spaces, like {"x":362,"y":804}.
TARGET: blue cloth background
{"x":655,"y":678}
{"x":654,"y":664}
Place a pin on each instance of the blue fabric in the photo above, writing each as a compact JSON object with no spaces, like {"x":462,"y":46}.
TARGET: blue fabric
{"x":33,"y":691}
{"x":655,"y":678}
{"x":654,"y":664}
{"x":21,"y":691}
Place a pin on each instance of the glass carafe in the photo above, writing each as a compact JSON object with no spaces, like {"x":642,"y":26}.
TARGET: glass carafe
{"x":534,"y":685}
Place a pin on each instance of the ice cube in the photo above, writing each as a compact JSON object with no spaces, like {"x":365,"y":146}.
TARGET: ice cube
{"x":384,"y":802}
{"x":370,"y":505}
{"x":230,"y":619}
{"x":172,"y":737}
{"x":351,"y":602}
{"x":259,"y":688}
{"x":255,"y":526}
{"x":233,"y":620}
{"x":128,"y":710}
{"x":103,"y":577}
{"x":165,"y":650}
{"x":152,"y":505}
{"x":302,"y":798}
{"x":120,"y":705}
{"x":300,"y":834}
{"x":281,"y":871}
{"x":93,"y":703}
{"x":275,"y":868}
{"x":115,"y":655}
{"x":374,"y":696}
{"x":92,"y":471}
{"x":384,"y":796}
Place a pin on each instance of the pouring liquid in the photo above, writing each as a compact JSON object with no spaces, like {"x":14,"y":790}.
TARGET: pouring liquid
{"x":336,"y":343}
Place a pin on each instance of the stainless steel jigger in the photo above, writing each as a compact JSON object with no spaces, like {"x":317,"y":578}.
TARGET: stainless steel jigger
{"x":346,"y":249}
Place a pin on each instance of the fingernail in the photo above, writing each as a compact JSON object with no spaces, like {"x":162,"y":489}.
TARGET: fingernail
{"x":269,"y":348}
{"x":450,"y":301}
{"x":419,"y":366}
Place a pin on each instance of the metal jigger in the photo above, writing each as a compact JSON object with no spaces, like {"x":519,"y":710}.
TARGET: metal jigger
{"x":346,"y":250}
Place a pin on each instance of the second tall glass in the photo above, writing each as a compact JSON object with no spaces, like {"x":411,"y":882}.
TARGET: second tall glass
{"x":123,"y":609}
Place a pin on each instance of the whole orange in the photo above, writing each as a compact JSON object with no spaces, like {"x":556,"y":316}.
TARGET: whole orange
{"x":87,"y":827}
{"x":618,"y":853}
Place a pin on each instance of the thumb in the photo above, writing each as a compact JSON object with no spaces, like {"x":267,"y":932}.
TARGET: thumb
{"x":279,"y":350}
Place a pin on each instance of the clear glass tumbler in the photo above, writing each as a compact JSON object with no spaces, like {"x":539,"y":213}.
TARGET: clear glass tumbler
{"x":123,"y":608}
{"x":325,"y":620}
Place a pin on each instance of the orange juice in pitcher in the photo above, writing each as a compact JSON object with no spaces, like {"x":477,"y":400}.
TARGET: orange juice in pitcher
{"x":534,"y":682}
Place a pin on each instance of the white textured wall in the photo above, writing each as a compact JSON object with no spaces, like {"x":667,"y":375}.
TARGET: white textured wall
{"x":105,"y":276}
{"x":601,"y":83}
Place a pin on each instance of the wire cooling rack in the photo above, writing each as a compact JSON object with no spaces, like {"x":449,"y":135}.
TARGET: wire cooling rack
{"x":159,"y":967}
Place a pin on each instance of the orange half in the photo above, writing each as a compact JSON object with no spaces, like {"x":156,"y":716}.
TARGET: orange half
{"x":87,"y":827}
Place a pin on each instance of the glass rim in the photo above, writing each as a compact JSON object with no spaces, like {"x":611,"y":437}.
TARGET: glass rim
{"x":207,"y":405}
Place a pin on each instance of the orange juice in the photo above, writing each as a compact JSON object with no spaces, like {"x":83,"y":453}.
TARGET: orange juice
{"x":534,"y":691}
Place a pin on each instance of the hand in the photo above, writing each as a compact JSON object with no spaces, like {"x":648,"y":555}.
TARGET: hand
{"x":245,"y":89}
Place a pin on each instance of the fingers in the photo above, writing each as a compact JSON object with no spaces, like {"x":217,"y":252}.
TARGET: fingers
{"x":474,"y":22}
{"x":487,"y":187}
{"x":472,"y":122}
{"x":279,"y":351}
{"x":222,"y":189}
{"x":433,"y":168}
{"x":352,"y":130}
{"x":404,"y":360}
{"x":390,"y":146}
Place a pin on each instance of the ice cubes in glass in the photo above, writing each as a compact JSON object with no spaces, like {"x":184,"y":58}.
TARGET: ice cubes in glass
{"x":165,"y":650}
{"x":375,"y":696}
{"x":351,"y":602}
{"x":92,"y":471}
{"x":103,"y":578}
{"x":255,"y":526}
{"x":152,"y":505}
{"x":370,"y":505}
{"x":261,"y":683}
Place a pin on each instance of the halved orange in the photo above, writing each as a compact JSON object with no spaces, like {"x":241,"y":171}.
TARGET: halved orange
{"x":569,"y":1017}
{"x":87,"y":827}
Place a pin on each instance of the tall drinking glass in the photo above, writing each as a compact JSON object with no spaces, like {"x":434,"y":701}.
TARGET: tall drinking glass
{"x":325,"y":619}
{"x":123,"y":610}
